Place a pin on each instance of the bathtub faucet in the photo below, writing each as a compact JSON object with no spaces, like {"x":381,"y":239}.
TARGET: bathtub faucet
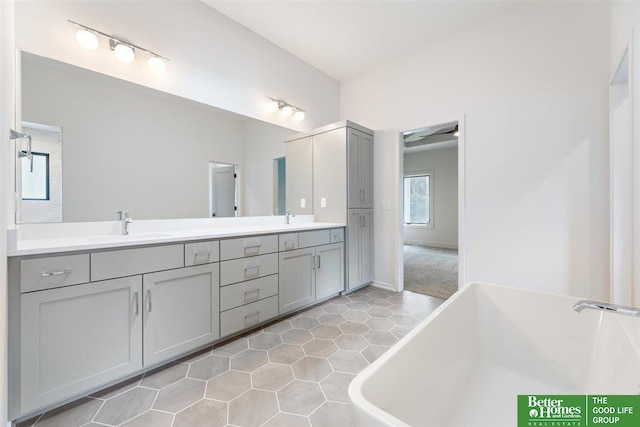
{"x":603,"y":306}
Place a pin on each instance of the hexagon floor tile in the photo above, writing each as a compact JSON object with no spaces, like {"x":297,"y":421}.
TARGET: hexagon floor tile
{"x":295,"y":371}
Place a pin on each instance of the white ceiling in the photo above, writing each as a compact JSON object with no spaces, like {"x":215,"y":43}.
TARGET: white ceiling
{"x":345,"y":38}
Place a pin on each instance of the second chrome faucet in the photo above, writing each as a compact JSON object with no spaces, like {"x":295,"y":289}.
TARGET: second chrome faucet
{"x":124,"y":217}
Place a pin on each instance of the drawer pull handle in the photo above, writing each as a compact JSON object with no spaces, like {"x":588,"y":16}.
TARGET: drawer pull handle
{"x":252,"y":250}
{"x":149,"y":299}
{"x":55,"y":273}
{"x":337,"y":237}
{"x":255,"y":291}
{"x":135,"y":295}
{"x":290,"y":244}
{"x":256,"y":315}
{"x":251,"y":272}
{"x":200,"y":257}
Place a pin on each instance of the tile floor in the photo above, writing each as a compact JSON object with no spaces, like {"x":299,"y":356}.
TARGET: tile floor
{"x":294,"y":372}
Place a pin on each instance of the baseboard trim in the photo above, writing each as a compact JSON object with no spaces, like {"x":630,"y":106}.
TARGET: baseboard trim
{"x":385,"y":286}
{"x":432,"y":244}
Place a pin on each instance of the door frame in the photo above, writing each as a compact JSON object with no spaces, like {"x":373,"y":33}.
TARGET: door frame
{"x":462,"y":226}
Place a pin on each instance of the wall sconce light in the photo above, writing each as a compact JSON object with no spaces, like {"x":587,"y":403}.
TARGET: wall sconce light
{"x":287,"y":109}
{"x":87,"y":37}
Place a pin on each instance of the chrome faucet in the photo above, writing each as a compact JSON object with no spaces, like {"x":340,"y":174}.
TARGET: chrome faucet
{"x":126,"y":220}
{"x":603,"y":306}
{"x":289,"y":216}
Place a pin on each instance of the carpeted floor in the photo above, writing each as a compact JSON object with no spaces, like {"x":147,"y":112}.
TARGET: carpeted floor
{"x":431,"y":271}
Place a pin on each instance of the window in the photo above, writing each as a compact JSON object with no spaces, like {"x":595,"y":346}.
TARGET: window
{"x":418,"y":201}
{"x":35,"y":185}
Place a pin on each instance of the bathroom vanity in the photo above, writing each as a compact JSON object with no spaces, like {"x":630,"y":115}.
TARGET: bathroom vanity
{"x":88,"y":312}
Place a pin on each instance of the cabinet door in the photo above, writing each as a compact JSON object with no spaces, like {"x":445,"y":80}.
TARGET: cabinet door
{"x":181,"y":311}
{"x":297,"y":279}
{"x":366,"y":247}
{"x":299,"y":170}
{"x":329,"y":270}
{"x":78,"y":337}
{"x":366,"y":170}
{"x":354,"y":189}
{"x":354,"y":224}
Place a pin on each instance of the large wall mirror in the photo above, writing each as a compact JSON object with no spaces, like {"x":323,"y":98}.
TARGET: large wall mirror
{"x":102,"y":145}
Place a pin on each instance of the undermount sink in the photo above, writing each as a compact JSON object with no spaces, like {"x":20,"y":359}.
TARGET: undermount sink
{"x":125,"y":238}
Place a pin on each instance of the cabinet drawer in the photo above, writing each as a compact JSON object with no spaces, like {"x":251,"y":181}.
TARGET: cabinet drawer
{"x":246,"y":316}
{"x":239,"y":270}
{"x":314,"y":238}
{"x":53,"y":272}
{"x":247,"y":292}
{"x":288,"y":242}
{"x":129,"y":262}
{"x":201,"y":253}
{"x":337,"y":235}
{"x":248,"y":246}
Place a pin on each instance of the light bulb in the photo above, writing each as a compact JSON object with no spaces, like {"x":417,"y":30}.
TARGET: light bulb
{"x":287,"y":111}
{"x":456,"y":133}
{"x":272,"y":106}
{"x":87,"y":39}
{"x":156,"y":65}
{"x":124,"y":53}
{"x":299,"y":116}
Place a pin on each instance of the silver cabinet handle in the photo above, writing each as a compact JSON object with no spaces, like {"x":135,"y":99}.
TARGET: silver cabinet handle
{"x":289,"y":244}
{"x":318,"y":256}
{"x":149,"y":299}
{"x":252,"y":250}
{"x":364,"y":219}
{"x":257,"y":316}
{"x":135,"y":296}
{"x":313,"y":262}
{"x":250,"y":272}
{"x":363,"y":195}
{"x":361,"y":222}
{"x":255,"y":291}
{"x":55,"y":273}
{"x":202,"y":255}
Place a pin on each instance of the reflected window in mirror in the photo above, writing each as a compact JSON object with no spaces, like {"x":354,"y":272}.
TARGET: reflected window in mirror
{"x":40,"y":191}
{"x":35,"y":181}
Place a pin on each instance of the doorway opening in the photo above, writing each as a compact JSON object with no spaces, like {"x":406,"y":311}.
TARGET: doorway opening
{"x":430,"y":216}
{"x":279,"y":186}
{"x":223,"y":196}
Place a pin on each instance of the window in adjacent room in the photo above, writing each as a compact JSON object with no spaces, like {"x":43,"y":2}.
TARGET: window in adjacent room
{"x":418,"y":199}
{"x":35,"y":185}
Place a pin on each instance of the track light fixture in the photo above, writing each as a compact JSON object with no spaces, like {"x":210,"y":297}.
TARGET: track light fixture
{"x":287,"y":109}
{"x":87,"y":37}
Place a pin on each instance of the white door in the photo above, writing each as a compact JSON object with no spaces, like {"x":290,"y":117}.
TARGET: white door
{"x":78,"y":337}
{"x":181,"y":311}
{"x":224,"y":191}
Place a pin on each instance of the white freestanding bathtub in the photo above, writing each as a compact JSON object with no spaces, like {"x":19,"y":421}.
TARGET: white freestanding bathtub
{"x":466,"y":363}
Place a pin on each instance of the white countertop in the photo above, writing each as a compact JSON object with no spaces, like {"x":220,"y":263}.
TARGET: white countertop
{"x":83,"y":243}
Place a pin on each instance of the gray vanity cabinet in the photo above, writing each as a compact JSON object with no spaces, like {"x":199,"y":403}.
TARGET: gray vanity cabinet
{"x":297,"y":279}
{"x":359,"y":247}
{"x":313,"y":272}
{"x":329,"y":270}
{"x":181,"y":311}
{"x":78,"y":337}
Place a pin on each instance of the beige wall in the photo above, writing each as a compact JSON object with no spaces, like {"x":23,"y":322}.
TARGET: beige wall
{"x":443,"y":163}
